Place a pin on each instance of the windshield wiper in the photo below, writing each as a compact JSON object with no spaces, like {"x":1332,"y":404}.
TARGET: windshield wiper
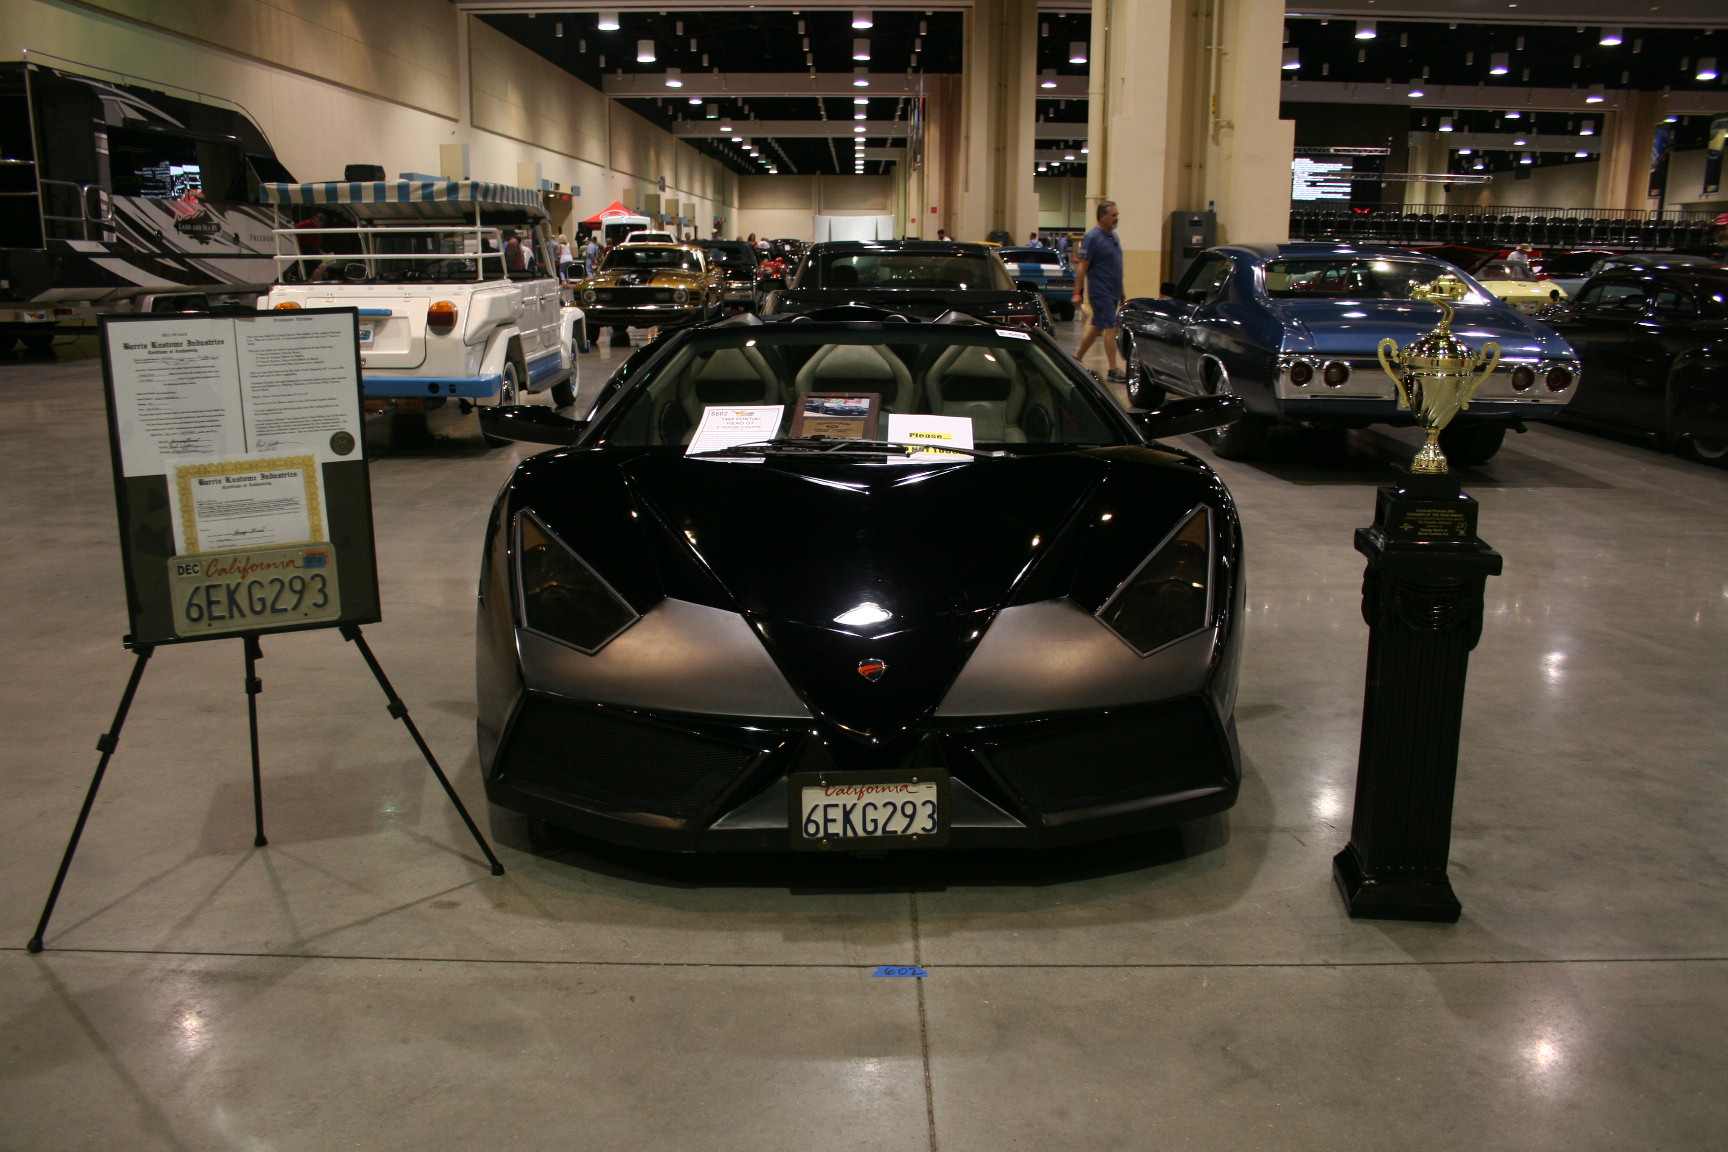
{"x":832,"y":445}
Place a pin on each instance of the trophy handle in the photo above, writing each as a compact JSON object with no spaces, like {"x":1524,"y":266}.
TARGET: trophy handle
{"x":1493,"y":362}
{"x":1397,"y":379}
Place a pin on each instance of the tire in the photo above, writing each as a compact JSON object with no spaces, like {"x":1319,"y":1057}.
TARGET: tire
{"x":38,"y":343}
{"x":563,"y":394}
{"x":508,"y":393}
{"x":1142,"y":392}
{"x":1705,"y":449}
{"x":1245,"y":437}
{"x":1467,"y":445}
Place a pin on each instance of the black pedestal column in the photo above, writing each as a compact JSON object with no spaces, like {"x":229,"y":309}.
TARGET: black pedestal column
{"x":1422,"y":600}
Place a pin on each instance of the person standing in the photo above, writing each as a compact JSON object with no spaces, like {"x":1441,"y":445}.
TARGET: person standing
{"x":1099,"y":270}
{"x":1034,"y":242}
{"x":590,"y":255}
{"x":566,"y":257}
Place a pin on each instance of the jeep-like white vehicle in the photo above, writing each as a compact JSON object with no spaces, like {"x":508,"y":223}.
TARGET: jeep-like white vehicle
{"x":456,"y":282}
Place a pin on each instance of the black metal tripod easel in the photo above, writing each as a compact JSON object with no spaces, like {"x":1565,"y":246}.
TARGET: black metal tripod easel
{"x":110,"y":740}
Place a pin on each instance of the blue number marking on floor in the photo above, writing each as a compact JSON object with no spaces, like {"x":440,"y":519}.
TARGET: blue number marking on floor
{"x":899,"y":970}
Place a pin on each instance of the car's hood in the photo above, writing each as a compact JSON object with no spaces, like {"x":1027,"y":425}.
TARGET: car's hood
{"x":1358,"y":326}
{"x":836,"y":564}
{"x":644,"y":278}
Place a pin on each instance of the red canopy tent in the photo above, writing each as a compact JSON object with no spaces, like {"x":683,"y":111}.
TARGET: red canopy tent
{"x":612,"y":212}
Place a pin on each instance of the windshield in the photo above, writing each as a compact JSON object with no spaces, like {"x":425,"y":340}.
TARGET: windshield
{"x":945,"y":271}
{"x":1498,"y":270}
{"x":732,"y":255}
{"x":1003,"y":390}
{"x":631,"y":256}
{"x":1353,"y":278}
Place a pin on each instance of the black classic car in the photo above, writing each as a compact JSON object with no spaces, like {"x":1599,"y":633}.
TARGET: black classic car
{"x":1654,"y":342}
{"x":1011,"y":621}
{"x":913,"y":278}
{"x":740,"y":267}
{"x":1293,"y":329}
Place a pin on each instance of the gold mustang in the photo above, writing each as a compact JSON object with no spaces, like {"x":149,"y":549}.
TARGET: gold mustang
{"x":652,"y":286}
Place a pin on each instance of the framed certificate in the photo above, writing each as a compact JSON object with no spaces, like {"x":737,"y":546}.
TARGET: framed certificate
{"x":842,"y":415}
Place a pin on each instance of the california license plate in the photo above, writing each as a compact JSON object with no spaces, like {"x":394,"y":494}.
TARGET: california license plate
{"x":869,"y":811}
{"x":246,"y":591}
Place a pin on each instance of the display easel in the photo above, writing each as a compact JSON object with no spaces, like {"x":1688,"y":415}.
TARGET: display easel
{"x":110,"y":740}
{"x":244,"y":502}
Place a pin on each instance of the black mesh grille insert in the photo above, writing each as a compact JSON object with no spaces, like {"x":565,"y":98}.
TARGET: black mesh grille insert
{"x":1062,"y":766}
{"x":606,"y":761}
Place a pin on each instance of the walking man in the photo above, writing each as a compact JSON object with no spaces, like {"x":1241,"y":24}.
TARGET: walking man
{"x":1099,"y":268}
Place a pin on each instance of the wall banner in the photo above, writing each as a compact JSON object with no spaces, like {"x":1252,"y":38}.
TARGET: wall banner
{"x":1713,"y":155}
{"x":240,"y":472}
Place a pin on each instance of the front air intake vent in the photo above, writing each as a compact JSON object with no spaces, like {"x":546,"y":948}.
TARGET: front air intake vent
{"x":606,"y":760}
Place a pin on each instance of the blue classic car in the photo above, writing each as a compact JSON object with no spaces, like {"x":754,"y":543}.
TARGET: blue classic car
{"x":1049,"y":270}
{"x":1293,"y":329}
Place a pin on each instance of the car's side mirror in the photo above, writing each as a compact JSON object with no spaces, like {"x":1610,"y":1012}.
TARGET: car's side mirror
{"x":1168,"y":289}
{"x":1181,"y":414}
{"x":530,"y":423}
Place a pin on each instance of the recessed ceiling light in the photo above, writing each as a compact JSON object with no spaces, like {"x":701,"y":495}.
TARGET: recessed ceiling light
{"x":1416,"y":88}
{"x":1047,"y":78}
{"x":644,"y":51}
{"x":1077,"y":52}
{"x":608,"y":21}
{"x":861,"y":49}
{"x":695,"y":99}
{"x":1611,"y":37}
{"x":1367,"y":29}
{"x":673,"y":80}
{"x":861,"y":18}
{"x":1707,"y":68}
{"x":1292,"y":59}
{"x":1499,"y":63}
{"x":860,"y":78}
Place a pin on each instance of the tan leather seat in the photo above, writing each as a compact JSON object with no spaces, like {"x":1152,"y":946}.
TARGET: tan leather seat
{"x":982,"y":385}
{"x":861,"y":368}
{"x":726,"y":376}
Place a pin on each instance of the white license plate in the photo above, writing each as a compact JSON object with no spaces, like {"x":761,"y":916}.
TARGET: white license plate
{"x":250,"y":591}
{"x":873,"y":810}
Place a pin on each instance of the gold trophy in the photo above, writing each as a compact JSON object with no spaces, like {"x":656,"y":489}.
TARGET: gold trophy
{"x":1437,"y":373}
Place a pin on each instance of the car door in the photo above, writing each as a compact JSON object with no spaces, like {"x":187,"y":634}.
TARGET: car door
{"x":1670,"y":327}
{"x":1163,"y":333}
{"x":1210,"y":332}
{"x":1599,"y":324}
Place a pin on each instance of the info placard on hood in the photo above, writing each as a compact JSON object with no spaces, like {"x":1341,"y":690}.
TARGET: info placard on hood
{"x":931,"y":434}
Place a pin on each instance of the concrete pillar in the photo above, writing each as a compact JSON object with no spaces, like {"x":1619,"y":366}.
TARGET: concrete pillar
{"x":1428,"y":153}
{"x":1000,"y":111}
{"x":1623,"y":176}
{"x":1184,"y":113}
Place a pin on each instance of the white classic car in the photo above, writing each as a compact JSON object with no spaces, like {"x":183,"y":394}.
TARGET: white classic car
{"x":455,"y":281}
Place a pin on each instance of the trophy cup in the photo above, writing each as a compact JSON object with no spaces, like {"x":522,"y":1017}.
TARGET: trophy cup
{"x":1437,"y":373}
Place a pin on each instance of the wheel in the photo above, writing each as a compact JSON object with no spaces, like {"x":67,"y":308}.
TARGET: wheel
{"x":620,"y":337}
{"x":1470,"y":444}
{"x":38,"y":343}
{"x":508,"y":392}
{"x":1708,"y":449}
{"x":564,"y":394}
{"x":1244,"y":439}
{"x":1142,"y":392}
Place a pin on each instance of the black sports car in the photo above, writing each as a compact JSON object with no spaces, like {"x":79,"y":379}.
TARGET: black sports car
{"x":912,"y":277}
{"x":1007,"y":619}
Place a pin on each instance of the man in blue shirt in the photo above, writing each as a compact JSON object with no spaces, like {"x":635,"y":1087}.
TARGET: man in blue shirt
{"x":1099,"y":270}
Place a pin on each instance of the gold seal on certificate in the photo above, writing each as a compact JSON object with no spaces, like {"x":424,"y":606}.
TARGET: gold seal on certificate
{"x":1437,"y":373}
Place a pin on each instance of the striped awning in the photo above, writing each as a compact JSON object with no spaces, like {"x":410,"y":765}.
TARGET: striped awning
{"x":464,"y":193}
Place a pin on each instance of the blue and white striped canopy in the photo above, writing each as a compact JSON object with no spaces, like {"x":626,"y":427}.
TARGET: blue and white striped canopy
{"x":461,"y":194}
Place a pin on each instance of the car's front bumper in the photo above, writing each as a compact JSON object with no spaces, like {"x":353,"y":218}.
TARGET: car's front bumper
{"x":685,"y":783}
{"x":642,"y":316}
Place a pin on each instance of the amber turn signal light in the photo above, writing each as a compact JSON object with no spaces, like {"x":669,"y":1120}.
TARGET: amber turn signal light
{"x":287,"y":306}
{"x":441,"y":317}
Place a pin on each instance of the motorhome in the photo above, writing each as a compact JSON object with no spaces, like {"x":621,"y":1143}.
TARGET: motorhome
{"x":119,"y":197}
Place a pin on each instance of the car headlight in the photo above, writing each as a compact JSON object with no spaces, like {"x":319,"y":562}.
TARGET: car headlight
{"x":587,"y":295}
{"x":1170,"y":595}
{"x":561,"y":596}
{"x":680,"y":297}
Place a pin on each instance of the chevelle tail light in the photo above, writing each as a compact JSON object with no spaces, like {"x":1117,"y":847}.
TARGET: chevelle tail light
{"x":1559,"y":379}
{"x":1335,"y":373}
{"x":440,"y":317}
{"x":1523,"y":378}
{"x":1301,"y":373}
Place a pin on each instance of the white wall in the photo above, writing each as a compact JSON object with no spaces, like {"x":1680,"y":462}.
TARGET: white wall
{"x":787,"y":206}
{"x":379,"y":82}
{"x":1562,"y":186}
{"x":1686,"y":183}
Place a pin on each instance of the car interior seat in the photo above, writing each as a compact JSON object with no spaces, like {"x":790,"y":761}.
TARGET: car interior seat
{"x":860,"y":368}
{"x":842,"y":276}
{"x":726,"y":376}
{"x":978,"y":383}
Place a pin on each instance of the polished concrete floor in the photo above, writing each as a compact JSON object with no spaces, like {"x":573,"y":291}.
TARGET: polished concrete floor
{"x":363,"y":982}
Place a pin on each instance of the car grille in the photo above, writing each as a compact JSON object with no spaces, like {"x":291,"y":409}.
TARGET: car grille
{"x":604,"y":760}
{"x":628,"y":296}
{"x":1064,"y":766}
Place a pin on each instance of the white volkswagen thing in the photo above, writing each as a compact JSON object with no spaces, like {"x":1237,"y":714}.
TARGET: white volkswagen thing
{"x":456,"y":282}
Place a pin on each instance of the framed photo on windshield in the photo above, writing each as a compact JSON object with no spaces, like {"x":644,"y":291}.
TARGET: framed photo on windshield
{"x":842,"y":415}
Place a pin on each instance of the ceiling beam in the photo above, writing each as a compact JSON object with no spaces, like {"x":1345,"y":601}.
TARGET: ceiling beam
{"x":639,"y":85}
{"x":1508,"y":141}
{"x":1666,"y":14}
{"x":1441,"y":97}
{"x":768,"y":129}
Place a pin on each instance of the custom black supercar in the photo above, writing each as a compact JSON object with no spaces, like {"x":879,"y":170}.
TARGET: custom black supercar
{"x":852,"y":581}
